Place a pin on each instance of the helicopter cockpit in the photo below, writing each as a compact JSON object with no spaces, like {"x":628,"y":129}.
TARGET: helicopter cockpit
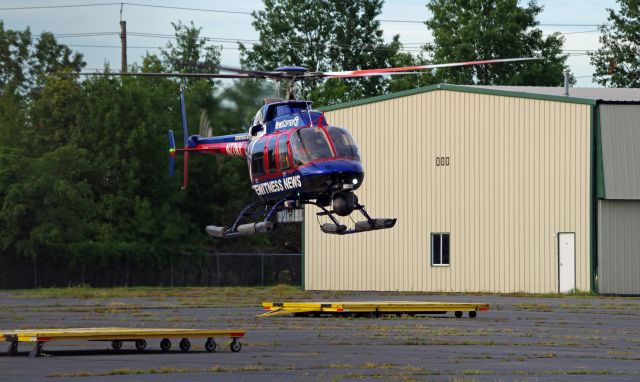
{"x":308,"y":144}
{"x":311,"y":143}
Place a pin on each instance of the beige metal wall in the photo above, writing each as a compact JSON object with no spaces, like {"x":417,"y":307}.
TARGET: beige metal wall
{"x":518,"y":174}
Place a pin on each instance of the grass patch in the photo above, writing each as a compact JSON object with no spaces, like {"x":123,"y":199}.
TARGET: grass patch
{"x":187,"y":296}
{"x":163,"y":370}
{"x":532,"y":306}
{"x":374,"y":365}
{"x":477,"y":372}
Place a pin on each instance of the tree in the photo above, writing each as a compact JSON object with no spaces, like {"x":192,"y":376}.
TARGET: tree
{"x":24,"y":65}
{"x":617,"y":61}
{"x":83,"y":164}
{"x":190,"y":53}
{"x":469,"y":30}
{"x":321,"y":36}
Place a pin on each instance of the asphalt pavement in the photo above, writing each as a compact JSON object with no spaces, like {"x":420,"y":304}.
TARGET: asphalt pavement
{"x":518,"y":339}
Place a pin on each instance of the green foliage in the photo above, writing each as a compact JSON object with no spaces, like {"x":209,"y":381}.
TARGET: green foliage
{"x":190,"y":53}
{"x":321,"y":36}
{"x":83,"y":164}
{"x":617,"y":61}
{"x":469,"y":30}
{"x":24,"y":64}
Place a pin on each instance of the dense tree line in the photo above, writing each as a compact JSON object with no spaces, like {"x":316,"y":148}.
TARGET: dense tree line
{"x":345,"y":35}
{"x":617,"y":61}
{"x":83,"y":161}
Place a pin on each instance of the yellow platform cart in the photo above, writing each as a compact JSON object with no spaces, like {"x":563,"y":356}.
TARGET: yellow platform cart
{"x":117,"y":336}
{"x":370,"y":308}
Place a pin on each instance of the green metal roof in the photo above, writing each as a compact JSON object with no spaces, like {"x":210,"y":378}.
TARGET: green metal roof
{"x":464,"y":89}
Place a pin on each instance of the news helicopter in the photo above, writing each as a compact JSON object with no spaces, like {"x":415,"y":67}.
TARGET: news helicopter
{"x":295,"y":157}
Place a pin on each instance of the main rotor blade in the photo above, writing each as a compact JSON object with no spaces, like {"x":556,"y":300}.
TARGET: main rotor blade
{"x":174,"y":75}
{"x":249,"y":72}
{"x":387,"y":71}
{"x":256,"y":73}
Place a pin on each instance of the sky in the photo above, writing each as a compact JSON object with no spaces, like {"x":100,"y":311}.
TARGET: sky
{"x":105,"y":48}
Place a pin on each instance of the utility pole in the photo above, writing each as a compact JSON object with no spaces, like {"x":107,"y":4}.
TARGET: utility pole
{"x":123,"y":42}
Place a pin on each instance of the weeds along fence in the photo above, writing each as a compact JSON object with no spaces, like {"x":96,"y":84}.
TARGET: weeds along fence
{"x":207,"y":269}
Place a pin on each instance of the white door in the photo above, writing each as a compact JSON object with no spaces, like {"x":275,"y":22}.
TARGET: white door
{"x":567,"y":262}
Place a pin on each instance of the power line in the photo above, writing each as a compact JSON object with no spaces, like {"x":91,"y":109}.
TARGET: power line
{"x":88,"y":34}
{"x":540,"y":25}
{"x":111,"y":46}
{"x":407,"y":47}
{"x":244,"y":12}
{"x":125,"y":3}
{"x":189,"y":9}
{"x":57,"y":6}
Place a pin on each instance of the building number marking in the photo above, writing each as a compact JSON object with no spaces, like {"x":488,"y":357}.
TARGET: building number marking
{"x":442,"y":161}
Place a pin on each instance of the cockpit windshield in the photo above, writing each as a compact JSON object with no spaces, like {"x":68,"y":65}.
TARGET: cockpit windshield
{"x":343,"y":143}
{"x":309,"y":144}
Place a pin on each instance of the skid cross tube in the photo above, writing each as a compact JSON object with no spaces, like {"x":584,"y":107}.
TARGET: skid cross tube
{"x":263,"y":210}
{"x":337,"y":228}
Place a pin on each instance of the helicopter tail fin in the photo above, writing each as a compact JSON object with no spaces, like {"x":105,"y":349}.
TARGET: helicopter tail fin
{"x":229,"y":145}
{"x":172,"y":159}
{"x":185,"y":137}
{"x":172,"y":144}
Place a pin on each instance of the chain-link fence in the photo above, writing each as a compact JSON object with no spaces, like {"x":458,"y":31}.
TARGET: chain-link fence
{"x":208,"y":269}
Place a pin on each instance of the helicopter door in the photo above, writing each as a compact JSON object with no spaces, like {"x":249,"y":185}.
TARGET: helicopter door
{"x":284,"y":162}
{"x":271,"y":154}
{"x":257,"y":158}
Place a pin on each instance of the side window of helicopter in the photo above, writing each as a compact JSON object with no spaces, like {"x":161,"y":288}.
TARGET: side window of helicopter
{"x":308,"y":144}
{"x":271,"y":154}
{"x":257,"y":119}
{"x":256,"y":124}
{"x":257,"y":158}
{"x":344,"y":143}
{"x":283,"y":153}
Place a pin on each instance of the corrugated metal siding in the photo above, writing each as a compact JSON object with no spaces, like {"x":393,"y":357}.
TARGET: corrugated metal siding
{"x":518,"y":174}
{"x":620,"y":132}
{"x":619,"y":246}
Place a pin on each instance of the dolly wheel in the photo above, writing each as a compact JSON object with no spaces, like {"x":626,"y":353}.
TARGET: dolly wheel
{"x":210,"y":345}
{"x":12,"y":350}
{"x":185,"y":345}
{"x":37,"y":349}
{"x":472,"y":314}
{"x":141,"y":344}
{"x":235,"y":345}
{"x":116,"y":344}
{"x":165,"y":344}
{"x":458,"y":314}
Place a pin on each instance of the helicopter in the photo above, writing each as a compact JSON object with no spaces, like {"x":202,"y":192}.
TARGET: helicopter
{"x":295,"y":157}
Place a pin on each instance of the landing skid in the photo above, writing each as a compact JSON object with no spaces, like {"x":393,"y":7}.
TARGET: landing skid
{"x":337,"y":228}
{"x":260,"y":211}
{"x":262,"y":214}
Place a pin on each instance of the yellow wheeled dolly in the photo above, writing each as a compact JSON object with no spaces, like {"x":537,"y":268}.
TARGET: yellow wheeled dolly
{"x":370,"y":308}
{"x":117,"y":336}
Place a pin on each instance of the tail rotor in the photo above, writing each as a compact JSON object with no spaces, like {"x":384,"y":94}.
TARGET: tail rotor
{"x":185,"y":149}
{"x":172,"y":153}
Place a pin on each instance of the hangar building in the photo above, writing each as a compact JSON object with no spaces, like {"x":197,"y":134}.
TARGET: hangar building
{"x":496,"y":189}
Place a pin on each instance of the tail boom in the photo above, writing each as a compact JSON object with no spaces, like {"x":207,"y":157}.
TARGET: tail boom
{"x":223,"y":146}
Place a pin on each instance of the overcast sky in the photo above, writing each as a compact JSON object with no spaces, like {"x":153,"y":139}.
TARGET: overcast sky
{"x":102,"y":49}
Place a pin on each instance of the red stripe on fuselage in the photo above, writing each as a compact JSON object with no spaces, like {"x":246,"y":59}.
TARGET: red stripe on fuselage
{"x":236,"y":149}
